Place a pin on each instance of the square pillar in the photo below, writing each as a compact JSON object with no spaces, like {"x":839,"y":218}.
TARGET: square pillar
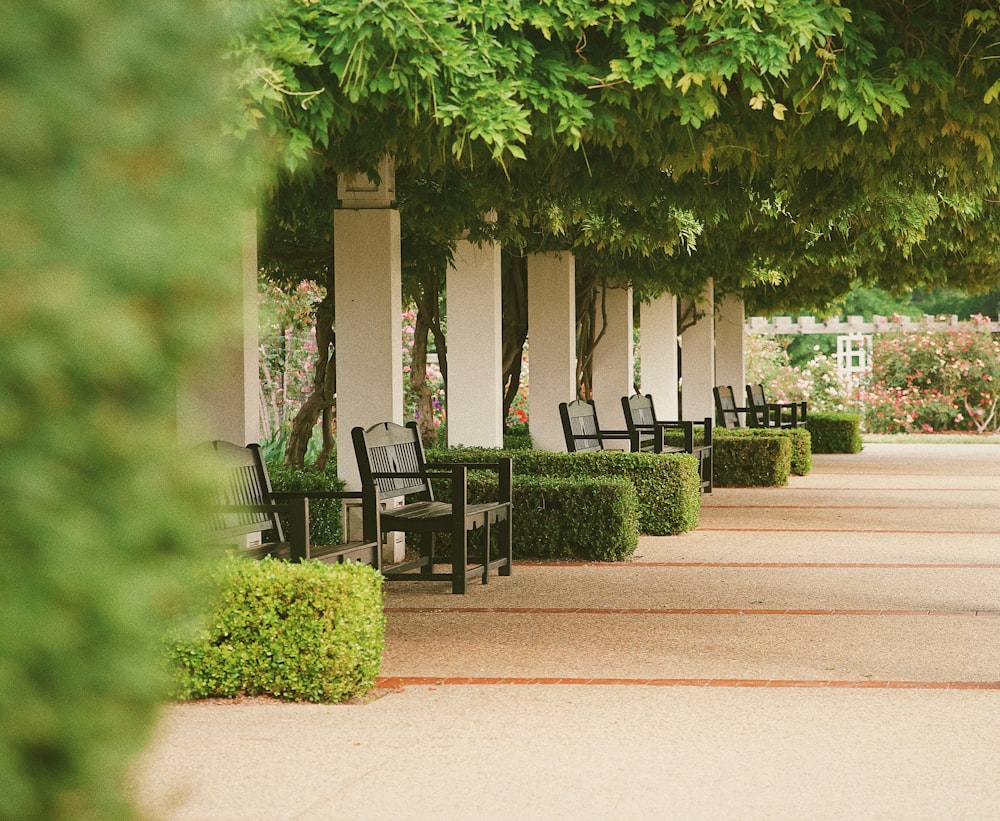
{"x":551,"y":345}
{"x":613,"y":362}
{"x":698,"y":357}
{"x":730,"y":361}
{"x":658,"y":354}
{"x":368,"y":300}
{"x":475,"y":347}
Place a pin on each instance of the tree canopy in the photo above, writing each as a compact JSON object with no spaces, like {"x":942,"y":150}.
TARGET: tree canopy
{"x":786,"y":148}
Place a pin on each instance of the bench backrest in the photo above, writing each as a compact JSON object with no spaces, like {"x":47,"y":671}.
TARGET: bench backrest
{"x":580,"y":427}
{"x":391,"y":448}
{"x":757,"y":416}
{"x":726,"y":407}
{"x":639,"y":412}
{"x":244,"y":487}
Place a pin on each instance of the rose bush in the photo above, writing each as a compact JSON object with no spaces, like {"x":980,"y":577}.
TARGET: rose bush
{"x":934,"y":381}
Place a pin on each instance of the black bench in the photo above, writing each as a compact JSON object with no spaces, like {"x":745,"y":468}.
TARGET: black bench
{"x":646,"y":433}
{"x":248,"y":505}
{"x":764,"y":414}
{"x":393,"y":466}
{"x":727,"y":412}
{"x":581,"y":430}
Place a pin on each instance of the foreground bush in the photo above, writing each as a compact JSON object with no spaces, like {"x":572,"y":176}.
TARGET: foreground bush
{"x":584,"y":518}
{"x":752,"y":457}
{"x":299,"y":632}
{"x":835,"y":432}
{"x":119,"y":227}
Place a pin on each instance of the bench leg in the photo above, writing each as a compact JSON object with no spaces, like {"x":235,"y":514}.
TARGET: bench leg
{"x":426,"y":552}
{"x":486,"y":552}
{"x":506,"y":538}
{"x":459,"y":559}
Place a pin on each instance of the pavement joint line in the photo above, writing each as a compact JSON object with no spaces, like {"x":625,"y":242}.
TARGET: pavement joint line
{"x":872,"y":531}
{"x":399,"y":683}
{"x":845,"y":507}
{"x":683,"y":611}
{"x":784,"y":565}
{"x":936,"y":491}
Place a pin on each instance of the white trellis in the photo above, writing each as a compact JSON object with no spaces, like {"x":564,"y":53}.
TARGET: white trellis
{"x":854,"y":355}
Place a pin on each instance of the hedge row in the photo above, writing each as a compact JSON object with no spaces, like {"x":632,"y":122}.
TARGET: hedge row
{"x":732,"y":474}
{"x":583,"y":518}
{"x":835,"y":432}
{"x":752,"y":458}
{"x":667,"y":485}
{"x":325,"y":525}
{"x":300,"y":632}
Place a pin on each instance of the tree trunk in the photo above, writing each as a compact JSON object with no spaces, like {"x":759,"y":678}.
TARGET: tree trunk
{"x":425,"y":296}
{"x":589,"y":331}
{"x":323,"y":398}
{"x":515,"y":325}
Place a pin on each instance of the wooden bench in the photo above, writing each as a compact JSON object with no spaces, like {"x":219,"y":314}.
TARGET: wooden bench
{"x":581,"y":430}
{"x":247,"y":505}
{"x":764,"y":414}
{"x":727,"y":412}
{"x":393,"y":465}
{"x":646,"y":434}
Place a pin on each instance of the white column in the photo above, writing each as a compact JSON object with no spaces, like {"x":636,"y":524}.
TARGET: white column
{"x":698,"y":358}
{"x":730,"y":365}
{"x":223,"y":402}
{"x":658,"y":354}
{"x":368,"y":322}
{"x":475,"y":347}
{"x":551,"y":345}
{"x":613,"y":362}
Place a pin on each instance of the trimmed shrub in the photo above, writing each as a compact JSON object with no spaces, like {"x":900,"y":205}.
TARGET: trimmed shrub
{"x":801,"y":455}
{"x":517,"y":441}
{"x":325,"y":525}
{"x":835,"y":432}
{"x":751,"y":457}
{"x":299,"y":632}
{"x":667,"y":485}
{"x":594,"y":518}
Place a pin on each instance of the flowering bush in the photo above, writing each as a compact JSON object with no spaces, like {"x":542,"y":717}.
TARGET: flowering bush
{"x":934,"y":381}
{"x":818,"y":383}
{"x":435,"y":381}
{"x":287,"y":337}
{"x":518,"y":415}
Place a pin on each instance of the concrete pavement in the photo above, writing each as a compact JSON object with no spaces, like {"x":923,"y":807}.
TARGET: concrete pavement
{"x":826,"y":650}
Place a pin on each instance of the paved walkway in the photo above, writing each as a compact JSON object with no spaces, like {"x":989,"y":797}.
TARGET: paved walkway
{"x":829,"y":650}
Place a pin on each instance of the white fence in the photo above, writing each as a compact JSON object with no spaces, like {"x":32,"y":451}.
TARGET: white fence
{"x":857,"y":325}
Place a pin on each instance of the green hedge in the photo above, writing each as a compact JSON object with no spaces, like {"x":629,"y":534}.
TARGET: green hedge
{"x":325,"y":525}
{"x":801,"y":456}
{"x":584,"y":518}
{"x":299,"y":632}
{"x":517,"y":441}
{"x":667,"y":485}
{"x":752,"y":457}
{"x":835,"y":432}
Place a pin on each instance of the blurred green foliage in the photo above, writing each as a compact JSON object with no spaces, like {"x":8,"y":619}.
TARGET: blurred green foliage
{"x":119,"y":203}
